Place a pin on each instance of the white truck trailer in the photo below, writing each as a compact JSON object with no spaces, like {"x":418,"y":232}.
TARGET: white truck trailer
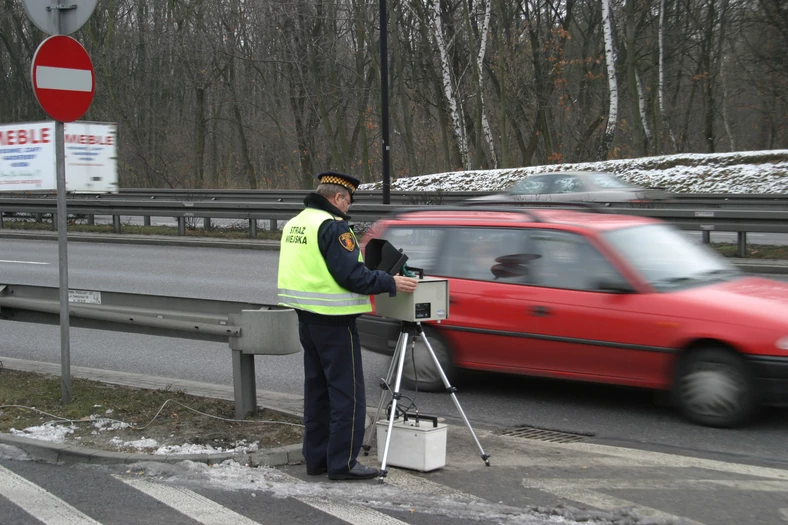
{"x":28,"y":161}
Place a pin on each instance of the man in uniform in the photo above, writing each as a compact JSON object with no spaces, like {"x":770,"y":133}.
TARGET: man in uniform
{"x":323,"y":277}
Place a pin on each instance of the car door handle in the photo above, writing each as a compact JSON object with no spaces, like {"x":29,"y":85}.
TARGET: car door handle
{"x":540,"y":311}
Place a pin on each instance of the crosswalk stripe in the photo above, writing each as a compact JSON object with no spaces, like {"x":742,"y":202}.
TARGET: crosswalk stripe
{"x":189,"y":503}
{"x":645,"y":457}
{"x":418,"y":485}
{"x":577,"y":490}
{"x":39,"y":503}
{"x":354,"y":514}
{"x":348,"y":512}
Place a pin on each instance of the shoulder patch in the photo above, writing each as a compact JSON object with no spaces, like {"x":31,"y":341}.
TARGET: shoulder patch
{"x":347,"y":241}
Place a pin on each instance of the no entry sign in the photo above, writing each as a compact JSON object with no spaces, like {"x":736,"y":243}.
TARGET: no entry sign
{"x":63,"y":78}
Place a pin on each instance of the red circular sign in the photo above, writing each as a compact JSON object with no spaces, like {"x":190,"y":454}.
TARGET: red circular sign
{"x":63,"y":78}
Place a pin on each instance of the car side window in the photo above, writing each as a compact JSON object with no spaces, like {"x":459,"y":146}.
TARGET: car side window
{"x":485,"y":254}
{"x":531,"y":185}
{"x":567,"y":260}
{"x":567,"y":184}
{"x":421,"y":245}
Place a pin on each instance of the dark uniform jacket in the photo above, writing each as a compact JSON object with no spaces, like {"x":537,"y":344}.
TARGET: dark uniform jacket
{"x":343,"y":264}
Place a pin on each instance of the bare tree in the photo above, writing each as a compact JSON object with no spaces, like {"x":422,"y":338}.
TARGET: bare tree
{"x":610,"y":58}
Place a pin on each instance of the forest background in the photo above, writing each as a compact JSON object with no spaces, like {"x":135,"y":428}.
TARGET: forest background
{"x":266,"y":93}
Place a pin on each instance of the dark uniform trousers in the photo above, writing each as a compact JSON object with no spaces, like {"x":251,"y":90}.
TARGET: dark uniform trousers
{"x":334,"y":397}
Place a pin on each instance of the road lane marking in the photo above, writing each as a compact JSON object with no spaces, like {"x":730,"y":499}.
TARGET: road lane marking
{"x":645,"y":457}
{"x":349,"y":512}
{"x":39,"y":503}
{"x":579,"y":490}
{"x":189,"y":503}
{"x":208,"y":512}
{"x":355,"y":514}
{"x":668,"y":484}
{"x":21,"y":262}
{"x":418,"y":485}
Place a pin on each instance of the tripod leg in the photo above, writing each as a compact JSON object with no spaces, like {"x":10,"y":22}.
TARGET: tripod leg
{"x":451,"y":390}
{"x":385,"y":386}
{"x":403,"y":344}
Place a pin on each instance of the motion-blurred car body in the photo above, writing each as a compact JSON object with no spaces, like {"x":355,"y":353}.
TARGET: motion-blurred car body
{"x":583,"y":186}
{"x":597,"y":297}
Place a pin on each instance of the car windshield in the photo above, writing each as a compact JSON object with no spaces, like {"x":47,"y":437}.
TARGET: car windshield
{"x":668,"y":259}
{"x":607,"y":181}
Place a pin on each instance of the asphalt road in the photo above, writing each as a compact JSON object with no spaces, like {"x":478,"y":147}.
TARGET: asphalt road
{"x":612,"y":415}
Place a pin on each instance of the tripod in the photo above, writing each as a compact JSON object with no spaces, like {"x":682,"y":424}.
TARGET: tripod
{"x":412,"y":330}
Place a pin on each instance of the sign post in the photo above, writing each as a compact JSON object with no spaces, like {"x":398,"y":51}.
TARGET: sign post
{"x":64,"y":84}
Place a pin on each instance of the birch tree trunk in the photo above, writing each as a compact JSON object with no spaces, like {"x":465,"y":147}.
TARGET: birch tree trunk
{"x":480,"y":67}
{"x":643,"y":106}
{"x":661,"y":89}
{"x":610,"y":58}
{"x":455,"y":108}
{"x":725,"y":116}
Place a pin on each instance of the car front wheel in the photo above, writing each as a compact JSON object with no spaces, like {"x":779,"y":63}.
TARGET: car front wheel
{"x":714,"y":387}
{"x":419,"y":371}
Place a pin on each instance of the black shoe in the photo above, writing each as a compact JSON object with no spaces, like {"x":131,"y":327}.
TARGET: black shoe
{"x":358,"y":471}
{"x":317,"y":471}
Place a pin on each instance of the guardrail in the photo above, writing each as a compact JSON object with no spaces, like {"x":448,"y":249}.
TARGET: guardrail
{"x":708,"y":217}
{"x":250,"y":329}
{"x":712,"y":200}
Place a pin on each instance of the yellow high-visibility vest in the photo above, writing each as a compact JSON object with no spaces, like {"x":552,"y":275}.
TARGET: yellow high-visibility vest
{"x":304,"y":280}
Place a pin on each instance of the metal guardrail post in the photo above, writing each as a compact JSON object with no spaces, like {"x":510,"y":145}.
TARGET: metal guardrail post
{"x":274,"y":225}
{"x":206,"y":223}
{"x":1,"y":220}
{"x":742,"y":242}
{"x":244,"y":384}
{"x":146,"y":220}
{"x":252,"y":228}
{"x":116,"y":223}
{"x":181,"y":226}
{"x":91,"y":219}
{"x":706,"y":236}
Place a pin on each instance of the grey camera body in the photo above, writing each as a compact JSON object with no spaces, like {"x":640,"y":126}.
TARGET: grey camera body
{"x":430,"y":302}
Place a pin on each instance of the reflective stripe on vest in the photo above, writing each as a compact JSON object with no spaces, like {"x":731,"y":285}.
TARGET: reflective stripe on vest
{"x":304,"y":280}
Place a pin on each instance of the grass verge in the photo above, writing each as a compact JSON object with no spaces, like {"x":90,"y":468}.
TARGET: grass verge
{"x":111,"y":417}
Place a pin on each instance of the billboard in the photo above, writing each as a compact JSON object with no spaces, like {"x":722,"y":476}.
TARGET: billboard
{"x":28,"y":162}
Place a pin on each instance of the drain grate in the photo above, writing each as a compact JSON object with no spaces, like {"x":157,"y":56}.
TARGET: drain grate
{"x":542,"y":434}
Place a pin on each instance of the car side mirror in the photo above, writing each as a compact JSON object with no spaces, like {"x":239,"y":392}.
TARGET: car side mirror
{"x":613,"y":285}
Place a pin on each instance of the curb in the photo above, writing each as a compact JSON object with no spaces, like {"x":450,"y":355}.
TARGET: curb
{"x":61,"y":453}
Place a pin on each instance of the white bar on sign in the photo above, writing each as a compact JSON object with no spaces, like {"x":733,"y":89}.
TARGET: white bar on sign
{"x":64,"y":79}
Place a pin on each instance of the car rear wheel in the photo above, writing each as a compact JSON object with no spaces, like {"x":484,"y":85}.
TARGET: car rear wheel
{"x":419,"y":371}
{"x":713,"y":387}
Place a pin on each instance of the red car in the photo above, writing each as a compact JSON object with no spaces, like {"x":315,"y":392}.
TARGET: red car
{"x":592,"y":297}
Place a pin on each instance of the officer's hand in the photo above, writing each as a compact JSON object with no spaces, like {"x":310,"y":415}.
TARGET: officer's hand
{"x":405,"y":284}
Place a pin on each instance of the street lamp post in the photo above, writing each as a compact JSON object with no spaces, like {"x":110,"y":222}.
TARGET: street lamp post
{"x":384,"y":93}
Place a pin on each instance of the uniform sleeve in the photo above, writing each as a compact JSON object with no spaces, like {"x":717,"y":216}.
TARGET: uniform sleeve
{"x":340,"y":252}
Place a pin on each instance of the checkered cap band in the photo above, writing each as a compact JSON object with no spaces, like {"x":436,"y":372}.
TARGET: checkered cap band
{"x":331,"y":179}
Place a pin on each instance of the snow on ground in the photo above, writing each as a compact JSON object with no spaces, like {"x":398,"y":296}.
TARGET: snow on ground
{"x":739,"y":172}
{"x":57,"y":433}
{"x":393,"y":495}
{"x":46,"y":432}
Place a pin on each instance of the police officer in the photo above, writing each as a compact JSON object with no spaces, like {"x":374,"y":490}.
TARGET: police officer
{"x":322,"y":275}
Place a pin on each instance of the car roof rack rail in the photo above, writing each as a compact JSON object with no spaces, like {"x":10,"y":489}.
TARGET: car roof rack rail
{"x":483,"y":207}
{"x":575,"y":205}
